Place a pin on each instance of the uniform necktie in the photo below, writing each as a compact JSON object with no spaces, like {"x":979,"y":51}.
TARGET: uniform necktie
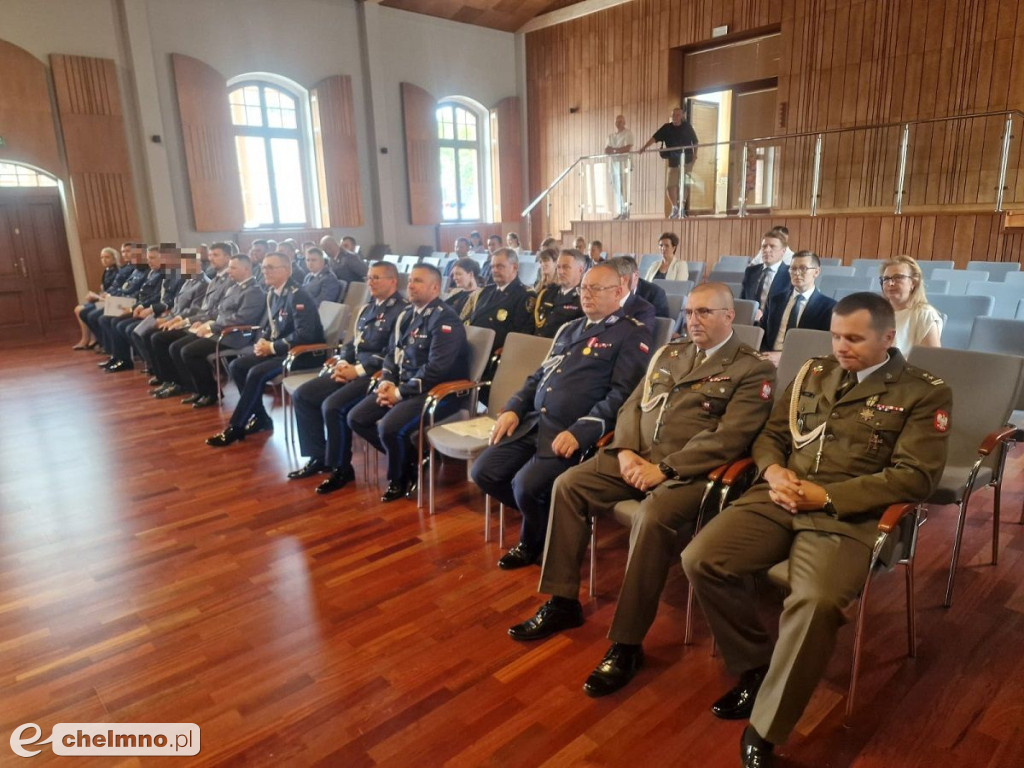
{"x":847,"y":383}
{"x":699,"y":359}
{"x":761,"y":284}
{"x":794,"y":315}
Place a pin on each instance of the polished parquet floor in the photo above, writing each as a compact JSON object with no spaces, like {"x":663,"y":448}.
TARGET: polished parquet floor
{"x":145,"y":577}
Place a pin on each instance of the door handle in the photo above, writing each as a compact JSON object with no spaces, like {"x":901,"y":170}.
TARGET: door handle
{"x":24,"y":272}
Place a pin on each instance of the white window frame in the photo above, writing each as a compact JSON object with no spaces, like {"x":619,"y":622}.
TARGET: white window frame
{"x":483,"y":142}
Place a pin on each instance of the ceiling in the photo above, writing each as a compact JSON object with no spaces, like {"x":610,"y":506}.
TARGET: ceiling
{"x":506,"y":15}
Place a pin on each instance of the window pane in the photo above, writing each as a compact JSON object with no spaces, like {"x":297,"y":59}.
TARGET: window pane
{"x":252,"y":166}
{"x":465,"y":125}
{"x":273,"y":117}
{"x":469,"y":187}
{"x":272,"y":96}
{"x":449,"y":194}
{"x":251,"y":95}
{"x":15,"y":175}
{"x":288,"y":119}
{"x":285,"y":101}
{"x":253,"y":116}
{"x":445,"y":127}
{"x":291,"y":203}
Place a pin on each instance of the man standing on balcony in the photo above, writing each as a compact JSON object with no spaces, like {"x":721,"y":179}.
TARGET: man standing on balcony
{"x":620,"y":144}
{"x":679,"y":141}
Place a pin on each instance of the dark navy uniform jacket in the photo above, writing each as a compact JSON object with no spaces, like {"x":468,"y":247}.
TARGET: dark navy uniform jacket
{"x":244,"y":303}
{"x":350,"y":267}
{"x":504,"y":311}
{"x":109,"y":279}
{"x":587,"y":376}
{"x":427,"y":349}
{"x":654,"y":295}
{"x":375,"y":328}
{"x":133,"y":284}
{"x":641,"y":309}
{"x":121,"y":277}
{"x":149,"y":291}
{"x":292,"y":319}
{"x":323,"y":286}
{"x":170,"y":287}
{"x":555,"y":308}
{"x":189,"y":298}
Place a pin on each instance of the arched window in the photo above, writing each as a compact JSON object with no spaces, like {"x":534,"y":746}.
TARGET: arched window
{"x":271,"y":141}
{"x":15,"y":175}
{"x":461,"y":133}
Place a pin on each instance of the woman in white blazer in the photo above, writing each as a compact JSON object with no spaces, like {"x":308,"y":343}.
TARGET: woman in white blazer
{"x":670,"y":267}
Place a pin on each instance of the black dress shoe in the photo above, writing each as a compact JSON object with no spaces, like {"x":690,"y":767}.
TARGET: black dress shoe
{"x":230,"y":435}
{"x":190,"y":399}
{"x":518,"y":557}
{"x":738,"y":703}
{"x":167,"y":390}
{"x":120,"y":365}
{"x":105,"y":363}
{"x":339,"y":478}
{"x":552,"y":617}
{"x":755,"y":752}
{"x":155,"y":382}
{"x":396,"y":490}
{"x":256,"y":424}
{"x":205,"y":402}
{"x":312,"y":467}
{"x":616,"y":669}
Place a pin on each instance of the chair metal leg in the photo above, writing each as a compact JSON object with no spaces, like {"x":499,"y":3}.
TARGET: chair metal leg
{"x":857,"y":640}
{"x":911,"y":611}
{"x":688,"y":631}
{"x":593,"y":558}
{"x":954,"y":560}
{"x":431,"y":474}
{"x":501,"y":526}
{"x":487,"y":519}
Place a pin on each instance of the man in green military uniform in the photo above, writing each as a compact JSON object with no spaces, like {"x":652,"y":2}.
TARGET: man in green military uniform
{"x":700,"y":404}
{"x":855,"y":432}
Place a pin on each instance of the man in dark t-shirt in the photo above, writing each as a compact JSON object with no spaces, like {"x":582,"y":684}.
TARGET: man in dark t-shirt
{"x":677,"y":133}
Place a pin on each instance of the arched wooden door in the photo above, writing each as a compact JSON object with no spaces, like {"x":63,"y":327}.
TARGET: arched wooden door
{"x":37,"y":287}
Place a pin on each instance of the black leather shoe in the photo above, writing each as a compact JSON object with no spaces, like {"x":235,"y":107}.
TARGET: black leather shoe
{"x":190,"y":399}
{"x":339,"y":478}
{"x":167,"y":390}
{"x":518,"y":557}
{"x":120,"y":365}
{"x":755,"y":752}
{"x":256,"y":424}
{"x":205,"y":401}
{"x":312,"y":467}
{"x":105,"y":363}
{"x":738,"y":703}
{"x":616,"y":669}
{"x":155,"y":382}
{"x":396,"y":490}
{"x":227,"y":437}
{"x":552,"y":617}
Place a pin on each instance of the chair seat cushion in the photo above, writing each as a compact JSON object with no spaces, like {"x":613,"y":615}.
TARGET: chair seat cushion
{"x":464,"y":439}
{"x":625,"y":511}
{"x":295,"y":380}
{"x":951,"y":486}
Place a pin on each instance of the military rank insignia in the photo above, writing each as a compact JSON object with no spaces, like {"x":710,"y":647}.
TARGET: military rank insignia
{"x":941,"y":421}
{"x":766,"y":391}
{"x":502,"y":315}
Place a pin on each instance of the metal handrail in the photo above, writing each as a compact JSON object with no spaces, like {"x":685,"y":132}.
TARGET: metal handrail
{"x":1009,"y":114}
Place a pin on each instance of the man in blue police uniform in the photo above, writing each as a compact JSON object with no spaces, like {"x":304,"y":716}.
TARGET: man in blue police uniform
{"x":700,"y":404}
{"x":292,"y":320}
{"x":115,"y":329}
{"x":559,"y":303}
{"x":635,"y":304}
{"x":97,"y":319}
{"x":183,"y":327}
{"x":320,"y":282}
{"x":244,"y":304}
{"x":324,"y":402}
{"x":506,"y":305}
{"x":563,"y":409}
{"x":429,"y":347}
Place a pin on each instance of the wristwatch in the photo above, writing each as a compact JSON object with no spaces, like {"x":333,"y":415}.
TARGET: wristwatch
{"x":667,"y":471}
{"x":828,"y":507}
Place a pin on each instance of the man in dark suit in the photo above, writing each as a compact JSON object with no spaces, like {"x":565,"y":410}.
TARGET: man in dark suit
{"x":559,"y":302}
{"x":429,"y":347}
{"x":322,"y":404}
{"x":347,"y":265}
{"x":803,"y":306}
{"x":563,"y":409}
{"x":636,"y":304}
{"x":320,"y":282}
{"x":291,"y":321}
{"x":505,"y":305}
{"x":762,"y":281}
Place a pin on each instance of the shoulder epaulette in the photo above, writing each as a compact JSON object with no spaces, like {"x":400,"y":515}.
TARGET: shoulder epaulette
{"x":636,"y":322}
{"x":922,"y":374}
{"x":749,"y":350}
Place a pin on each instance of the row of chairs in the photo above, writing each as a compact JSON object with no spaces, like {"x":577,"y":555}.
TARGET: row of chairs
{"x":998,"y":271}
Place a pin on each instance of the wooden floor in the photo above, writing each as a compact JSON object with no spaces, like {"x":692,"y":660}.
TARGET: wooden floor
{"x":145,"y":577}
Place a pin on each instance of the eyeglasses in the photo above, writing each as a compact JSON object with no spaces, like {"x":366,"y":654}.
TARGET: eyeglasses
{"x":894,"y":279}
{"x":703,"y":313}
{"x":597,"y":288}
{"x":801,"y":270}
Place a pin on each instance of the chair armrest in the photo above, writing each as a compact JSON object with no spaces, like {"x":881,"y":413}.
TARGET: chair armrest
{"x":994,"y":439}
{"x":302,"y":349}
{"x":732,"y":473}
{"x":240,"y":329}
{"x":893,"y":514}
{"x":605,"y":440}
{"x":442,"y":390}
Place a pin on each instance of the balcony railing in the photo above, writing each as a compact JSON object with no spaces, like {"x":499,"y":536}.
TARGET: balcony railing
{"x":969,"y":162}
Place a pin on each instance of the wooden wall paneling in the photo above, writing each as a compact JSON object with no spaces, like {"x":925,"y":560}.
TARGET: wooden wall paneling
{"x":26,"y":115}
{"x":510,"y":148}
{"x":422,"y":160}
{"x":208,"y":136}
{"x":338,"y":151}
{"x":96,"y":151}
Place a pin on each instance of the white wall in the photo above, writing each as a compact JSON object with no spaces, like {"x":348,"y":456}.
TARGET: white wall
{"x":75,"y":27}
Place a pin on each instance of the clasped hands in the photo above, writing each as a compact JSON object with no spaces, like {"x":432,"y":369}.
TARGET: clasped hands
{"x":638,"y":472}
{"x":791,"y":493}
{"x":344,"y":372}
{"x":263,"y":348}
{"x":564,"y":444}
{"x":387,"y":394}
